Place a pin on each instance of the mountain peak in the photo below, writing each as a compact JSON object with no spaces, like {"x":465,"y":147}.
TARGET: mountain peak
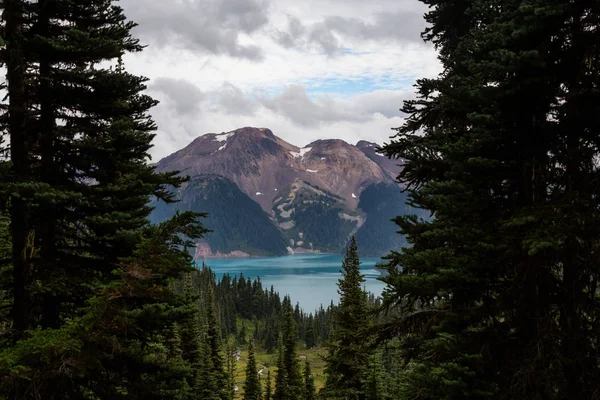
{"x":365,"y":144}
{"x":308,"y":196}
{"x":264,"y":165}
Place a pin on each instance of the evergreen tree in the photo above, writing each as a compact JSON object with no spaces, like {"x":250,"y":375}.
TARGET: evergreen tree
{"x":206,"y":385}
{"x":501,"y":148}
{"x":91,"y":294}
{"x":281,"y":379}
{"x":241,"y":336}
{"x":377,"y":381}
{"x":293,"y":384}
{"x":310,"y":391}
{"x":271,"y":333}
{"x":252,"y":390}
{"x":213,"y":339}
{"x":311,"y":339}
{"x":191,"y":328}
{"x":347,"y":357}
{"x":173,"y":342}
{"x":268,"y":395}
{"x":230,"y":364}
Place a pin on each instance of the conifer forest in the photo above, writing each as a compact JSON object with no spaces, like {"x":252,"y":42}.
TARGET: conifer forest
{"x":491,"y":274}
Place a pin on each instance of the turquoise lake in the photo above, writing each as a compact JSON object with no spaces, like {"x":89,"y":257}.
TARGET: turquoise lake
{"x":309,"y":279}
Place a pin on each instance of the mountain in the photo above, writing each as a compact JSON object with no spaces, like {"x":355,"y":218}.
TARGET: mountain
{"x":261,"y":164}
{"x":240,"y":226}
{"x":309,"y":198}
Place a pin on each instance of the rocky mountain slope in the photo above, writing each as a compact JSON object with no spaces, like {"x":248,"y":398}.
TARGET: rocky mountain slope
{"x":261,"y":164}
{"x":310,"y":195}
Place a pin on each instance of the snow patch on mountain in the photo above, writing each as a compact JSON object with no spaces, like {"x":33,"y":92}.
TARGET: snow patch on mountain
{"x":223,"y":136}
{"x":302,"y":153}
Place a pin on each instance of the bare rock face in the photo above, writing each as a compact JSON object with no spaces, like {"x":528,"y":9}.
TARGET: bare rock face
{"x":341,"y":169}
{"x":264,"y":165}
{"x":255,"y":159}
{"x":203,"y":251}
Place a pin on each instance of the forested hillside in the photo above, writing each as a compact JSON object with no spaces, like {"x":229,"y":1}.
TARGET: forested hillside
{"x":307,"y":218}
{"x":381,"y":203}
{"x":245,"y":308}
{"x":314,"y":219}
{"x":237,"y":222}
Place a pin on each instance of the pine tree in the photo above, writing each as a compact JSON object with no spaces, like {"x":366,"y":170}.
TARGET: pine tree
{"x":78,"y":187}
{"x":293,"y":376}
{"x":347,"y":356}
{"x":206,"y":385}
{"x":376,"y":381}
{"x":173,"y":342}
{"x":213,"y":339}
{"x":281,"y":379}
{"x":310,"y":391}
{"x":137,"y":370}
{"x":230,"y":368}
{"x":252,"y":390}
{"x":241,"y":336}
{"x":311,"y":340}
{"x":191,"y":328}
{"x":501,"y":149}
{"x":268,"y":394}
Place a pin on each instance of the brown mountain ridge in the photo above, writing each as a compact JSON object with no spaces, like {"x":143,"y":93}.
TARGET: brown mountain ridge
{"x":263,"y":165}
{"x":313,"y":197}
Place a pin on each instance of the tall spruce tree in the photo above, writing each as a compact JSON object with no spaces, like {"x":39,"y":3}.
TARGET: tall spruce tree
{"x":230,"y":369}
{"x":252,"y":390}
{"x":377,"y":381}
{"x":311,"y":339}
{"x":347,"y":356}
{"x":497,"y":295}
{"x":90,"y":288}
{"x":290,"y":356}
{"x":310,"y":391}
{"x":268,"y":387}
{"x":206,"y":385}
{"x":288,"y":379}
{"x":213,"y":337}
{"x":281,"y":381}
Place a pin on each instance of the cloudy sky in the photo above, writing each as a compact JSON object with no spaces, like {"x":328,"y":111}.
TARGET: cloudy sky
{"x":306,"y":69}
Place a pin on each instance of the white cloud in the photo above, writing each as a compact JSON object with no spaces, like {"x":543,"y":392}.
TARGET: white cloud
{"x":291,"y":114}
{"x":309,"y":70}
{"x":213,"y":26}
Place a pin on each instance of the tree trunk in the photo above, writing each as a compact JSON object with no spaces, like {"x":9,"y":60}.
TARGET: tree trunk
{"x":51,"y":303}
{"x":17,"y":116}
